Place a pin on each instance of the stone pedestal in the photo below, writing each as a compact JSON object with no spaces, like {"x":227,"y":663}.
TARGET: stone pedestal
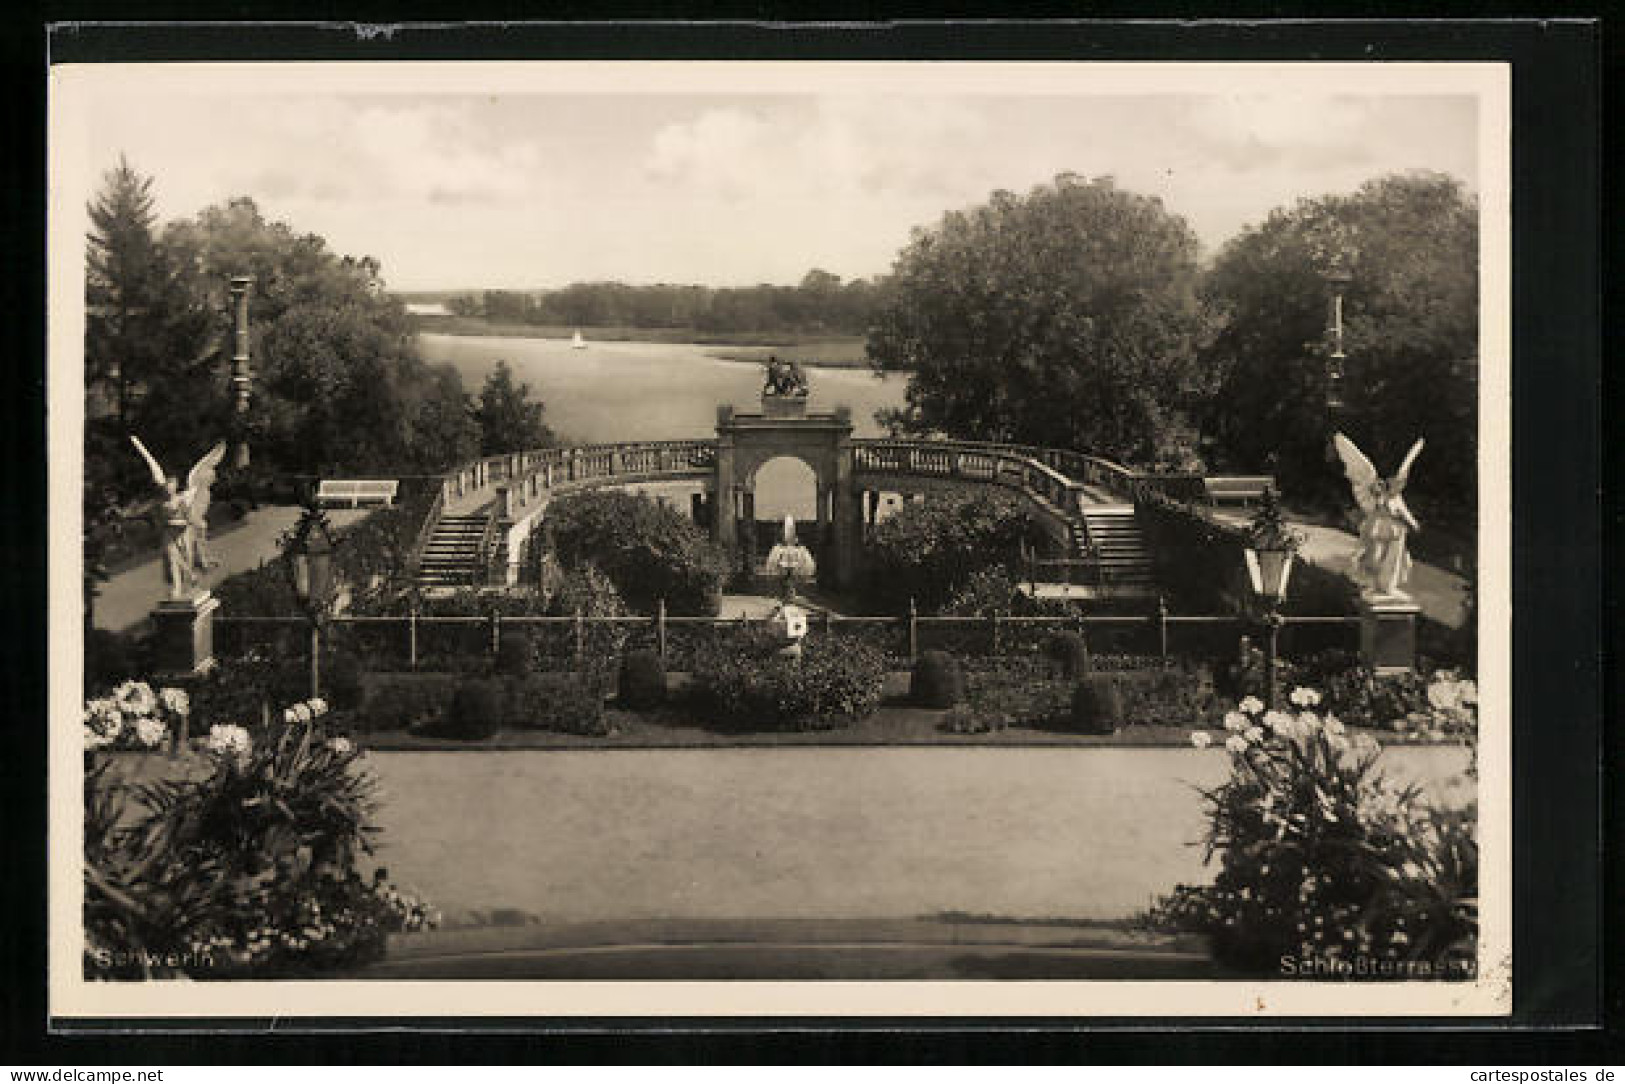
{"x":784,"y":406}
{"x":1388,"y":633}
{"x":183,"y":636}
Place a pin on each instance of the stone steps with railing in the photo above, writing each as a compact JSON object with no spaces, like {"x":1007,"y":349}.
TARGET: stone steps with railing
{"x":483,"y":497}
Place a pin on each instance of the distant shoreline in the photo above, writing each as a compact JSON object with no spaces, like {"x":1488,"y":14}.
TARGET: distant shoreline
{"x":822,"y":351}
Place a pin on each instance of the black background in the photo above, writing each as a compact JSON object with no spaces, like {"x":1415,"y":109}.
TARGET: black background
{"x":1561,"y":595}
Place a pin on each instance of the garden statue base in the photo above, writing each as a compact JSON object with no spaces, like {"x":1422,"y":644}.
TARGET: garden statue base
{"x":1388,"y":633}
{"x":183,"y":636}
{"x":784,"y":406}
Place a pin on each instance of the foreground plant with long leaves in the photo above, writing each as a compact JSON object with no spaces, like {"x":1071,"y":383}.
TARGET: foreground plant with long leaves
{"x":1327,"y":869}
{"x":249,"y":869}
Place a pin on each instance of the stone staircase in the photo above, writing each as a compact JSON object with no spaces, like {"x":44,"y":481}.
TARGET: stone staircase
{"x":1125,"y":559}
{"x":452,"y":556}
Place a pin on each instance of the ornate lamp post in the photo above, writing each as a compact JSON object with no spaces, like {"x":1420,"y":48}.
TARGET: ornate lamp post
{"x":307,"y":556}
{"x":1338,"y":278}
{"x":241,"y":376}
{"x":1271,"y":546}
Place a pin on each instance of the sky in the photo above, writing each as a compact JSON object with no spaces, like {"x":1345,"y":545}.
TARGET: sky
{"x":514,"y":189}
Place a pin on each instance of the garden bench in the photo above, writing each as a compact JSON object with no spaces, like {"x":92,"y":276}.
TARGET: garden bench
{"x":1237,"y":489}
{"x":357,"y":492}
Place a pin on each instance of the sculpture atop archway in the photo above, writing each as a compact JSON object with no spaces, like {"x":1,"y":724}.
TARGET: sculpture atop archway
{"x":784,"y":427}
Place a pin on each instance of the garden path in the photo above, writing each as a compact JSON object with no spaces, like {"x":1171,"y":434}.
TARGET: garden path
{"x":1441,"y":594}
{"x":127,"y":598}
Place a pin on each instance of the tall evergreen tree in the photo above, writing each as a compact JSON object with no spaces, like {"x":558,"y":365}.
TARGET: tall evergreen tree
{"x":149,"y":348}
{"x":509,"y":420}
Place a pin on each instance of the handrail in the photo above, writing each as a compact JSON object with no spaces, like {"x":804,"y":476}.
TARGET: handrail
{"x":482,"y":569}
{"x":431,"y":520}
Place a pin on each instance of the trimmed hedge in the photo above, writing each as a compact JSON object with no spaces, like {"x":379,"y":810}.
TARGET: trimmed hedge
{"x":561,"y":702}
{"x":516,"y":653}
{"x":343,"y":681}
{"x":643,"y":680}
{"x":937,"y":681}
{"x":475,"y":711}
{"x":404,"y":702}
{"x":1070,"y":652}
{"x":1097,"y":704}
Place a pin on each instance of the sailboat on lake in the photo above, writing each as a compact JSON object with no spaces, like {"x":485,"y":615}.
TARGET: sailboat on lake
{"x":578,"y":343}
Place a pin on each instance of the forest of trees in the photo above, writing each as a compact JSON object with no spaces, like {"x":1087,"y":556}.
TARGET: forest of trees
{"x":820,"y":304}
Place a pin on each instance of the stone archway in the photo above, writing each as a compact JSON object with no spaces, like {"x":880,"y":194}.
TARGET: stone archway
{"x":747,"y":441}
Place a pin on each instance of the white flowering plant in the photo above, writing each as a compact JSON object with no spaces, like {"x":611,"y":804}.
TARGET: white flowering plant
{"x":1320,"y":856}
{"x":253,"y":869}
{"x":133,"y":716}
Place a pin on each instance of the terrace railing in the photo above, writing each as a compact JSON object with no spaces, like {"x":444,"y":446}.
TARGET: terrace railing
{"x":450,"y":643}
{"x":995,"y":464}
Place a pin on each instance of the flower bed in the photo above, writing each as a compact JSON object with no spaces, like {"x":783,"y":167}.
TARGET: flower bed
{"x":1030,"y":691}
{"x":746,"y":683}
{"x":245,"y":864}
{"x":1325,"y":868}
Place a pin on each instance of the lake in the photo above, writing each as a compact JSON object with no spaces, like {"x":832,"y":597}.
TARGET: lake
{"x":614,"y":391}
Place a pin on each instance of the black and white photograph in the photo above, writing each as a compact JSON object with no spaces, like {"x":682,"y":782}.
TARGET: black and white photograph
{"x":825,"y":538}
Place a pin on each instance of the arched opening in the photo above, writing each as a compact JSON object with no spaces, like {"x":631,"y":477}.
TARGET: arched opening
{"x":784,"y":486}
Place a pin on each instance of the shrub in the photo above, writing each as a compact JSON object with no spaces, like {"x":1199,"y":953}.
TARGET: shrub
{"x":516,"y":653}
{"x":560,"y":702}
{"x":406,"y":702}
{"x":1097,"y":704}
{"x":111,"y":657}
{"x":342,"y":681}
{"x":475,"y":711}
{"x":643,"y":680}
{"x":829,"y":686}
{"x":1324,"y":861}
{"x":937,"y":681}
{"x":1179,"y":695}
{"x":247,"y":870}
{"x":648,"y":550}
{"x":964,"y":719}
{"x":1070,"y":652}
{"x":930,"y":551}
{"x":585,"y":590}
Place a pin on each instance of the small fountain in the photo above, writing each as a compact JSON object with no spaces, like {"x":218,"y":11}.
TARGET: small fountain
{"x":792,"y":563}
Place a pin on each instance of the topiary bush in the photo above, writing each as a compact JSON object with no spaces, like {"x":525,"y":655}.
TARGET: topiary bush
{"x":343,"y":681}
{"x":516,"y":653}
{"x":643,"y":680}
{"x":1097,"y":704}
{"x":937,"y":681}
{"x":475,"y":711}
{"x":403,"y":702}
{"x":1069,"y":651}
{"x":565,"y":703}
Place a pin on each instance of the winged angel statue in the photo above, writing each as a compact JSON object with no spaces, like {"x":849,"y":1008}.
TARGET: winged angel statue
{"x":1382,"y":564}
{"x":185,"y":518}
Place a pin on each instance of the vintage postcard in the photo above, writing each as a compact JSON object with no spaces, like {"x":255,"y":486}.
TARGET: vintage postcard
{"x":671,"y":540}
